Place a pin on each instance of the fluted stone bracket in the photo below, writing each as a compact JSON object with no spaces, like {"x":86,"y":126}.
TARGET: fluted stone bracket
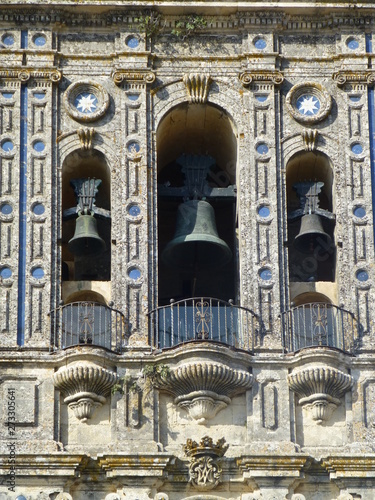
{"x":354,"y":77}
{"x":320,"y":389}
{"x":86,"y":136}
{"x":309,"y":137}
{"x":204,"y":388}
{"x":261,"y":76}
{"x":84,"y":387}
{"x":197,"y":87}
{"x":204,"y":468}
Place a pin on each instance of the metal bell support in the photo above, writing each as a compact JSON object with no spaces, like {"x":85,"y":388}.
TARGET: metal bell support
{"x":86,"y":239}
{"x":196,"y":243}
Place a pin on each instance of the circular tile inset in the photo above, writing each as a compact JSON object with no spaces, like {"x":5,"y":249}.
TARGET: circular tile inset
{"x":260,"y":43}
{"x":37,"y":273}
{"x":134,"y":210}
{"x":265,"y":274}
{"x":7,"y":146}
{"x":6,"y":209}
{"x":39,"y":40}
{"x":308,"y":102}
{"x":7,"y":40}
{"x":359,"y":212}
{"x":362,"y":275}
{"x":262,"y":148}
{"x":86,"y":101}
{"x":38,"y":209}
{"x":357,"y":148}
{"x":6,"y":272}
{"x":132,"y":42}
{"x":352,"y":43}
{"x":264,"y":211}
{"x":134,"y":273}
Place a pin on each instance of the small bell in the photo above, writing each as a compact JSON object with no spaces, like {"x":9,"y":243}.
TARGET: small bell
{"x":86,"y":239}
{"x":196,"y":243}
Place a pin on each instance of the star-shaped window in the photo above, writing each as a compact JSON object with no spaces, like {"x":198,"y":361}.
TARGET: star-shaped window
{"x":308,"y":105}
{"x":86,"y":102}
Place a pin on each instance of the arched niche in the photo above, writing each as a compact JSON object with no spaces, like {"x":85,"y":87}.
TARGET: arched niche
{"x":86,"y":165}
{"x":87,"y":296}
{"x":204,"y":132}
{"x":317,"y":263}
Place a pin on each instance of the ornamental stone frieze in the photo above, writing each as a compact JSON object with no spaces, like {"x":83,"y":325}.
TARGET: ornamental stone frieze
{"x":140,"y":76}
{"x":197,"y":87}
{"x":84,"y":386}
{"x":319,"y":389}
{"x":354,"y":77}
{"x":204,"y":388}
{"x":251,"y":76}
{"x":204,"y":468}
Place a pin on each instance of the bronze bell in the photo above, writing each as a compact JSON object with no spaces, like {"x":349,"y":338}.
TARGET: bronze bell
{"x":86,"y":239}
{"x":311,"y":235}
{"x":196,"y":244}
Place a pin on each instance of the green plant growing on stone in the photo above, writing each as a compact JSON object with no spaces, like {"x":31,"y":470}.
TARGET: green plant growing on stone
{"x":189,"y":25}
{"x":150,"y":23}
{"x":143,"y":383}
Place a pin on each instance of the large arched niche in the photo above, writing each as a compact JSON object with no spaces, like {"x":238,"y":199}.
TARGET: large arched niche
{"x":80,"y":164}
{"x":198,"y":130}
{"x":319,"y":265}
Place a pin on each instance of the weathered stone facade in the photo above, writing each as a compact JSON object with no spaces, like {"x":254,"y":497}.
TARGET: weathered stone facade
{"x":133,"y":373}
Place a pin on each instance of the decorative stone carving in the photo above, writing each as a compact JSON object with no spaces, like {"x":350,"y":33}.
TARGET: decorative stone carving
{"x":86,"y":136}
{"x":25,"y":74}
{"x":248,"y":77}
{"x":343,"y":77}
{"x":84,"y":387}
{"x":161,"y":496}
{"x":86,"y":101}
{"x":197,"y":87}
{"x":64,"y":496}
{"x":144,"y":76}
{"x":309,"y":137}
{"x":204,"y":470}
{"x":204,"y":388}
{"x":308,"y":102}
{"x":320,"y":389}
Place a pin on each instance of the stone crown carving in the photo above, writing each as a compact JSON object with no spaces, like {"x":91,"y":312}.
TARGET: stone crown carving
{"x":320,"y":389}
{"x":204,"y":388}
{"x":84,"y":387}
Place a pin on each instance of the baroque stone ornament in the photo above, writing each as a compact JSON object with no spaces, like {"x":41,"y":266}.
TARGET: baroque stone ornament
{"x":352,"y":77}
{"x":308,"y":102}
{"x":143,"y":76}
{"x":204,"y":469}
{"x":84,"y":387}
{"x":248,"y":77}
{"x":86,"y":101}
{"x":197,"y":87}
{"x":320,"y":389}
{"x":204,"y":388}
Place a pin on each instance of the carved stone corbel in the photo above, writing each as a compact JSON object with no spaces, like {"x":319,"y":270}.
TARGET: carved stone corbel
{"x":320,"y":389}
{"x":197,"y":87}
{"x":86,"y":136}
{"x":204,"y":469}
{"x":309,"y":137}
{"x":204,"y":388}
{"x":84,"y":387}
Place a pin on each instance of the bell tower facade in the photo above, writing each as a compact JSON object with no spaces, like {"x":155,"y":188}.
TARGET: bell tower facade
{"x":187,"y":251}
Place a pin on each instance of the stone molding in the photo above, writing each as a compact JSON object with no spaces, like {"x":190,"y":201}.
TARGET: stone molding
{"x":84,"y":387}
{"x":204,"y":469}
{"x":349,"y":466}
{"x":320,"y":389}
{"x":251,"y":76}
{"x":25,"y":74}
{"x":144,"y":76}
{"x":138,"y":465}
{"x":204,"y":388}
{"x":343,"y":77}
{"x":271,"y":465}
{"x":197,"y":86}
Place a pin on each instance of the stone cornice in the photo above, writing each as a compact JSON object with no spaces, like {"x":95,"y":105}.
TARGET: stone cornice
{"x":134,"y":465}
{"x":140,"y":75}
{"x":350,"y":466}
{"x":59,"y":464}
{"x":271,"y":465}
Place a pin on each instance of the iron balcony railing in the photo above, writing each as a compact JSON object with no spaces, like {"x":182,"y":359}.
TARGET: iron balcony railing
{"x":87,"y":323}
{"x":319,"y":324}
{"x":202,"y":319}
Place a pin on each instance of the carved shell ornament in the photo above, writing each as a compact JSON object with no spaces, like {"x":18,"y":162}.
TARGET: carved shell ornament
{"x":86,"y":101}
{"x":308,"y":102}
